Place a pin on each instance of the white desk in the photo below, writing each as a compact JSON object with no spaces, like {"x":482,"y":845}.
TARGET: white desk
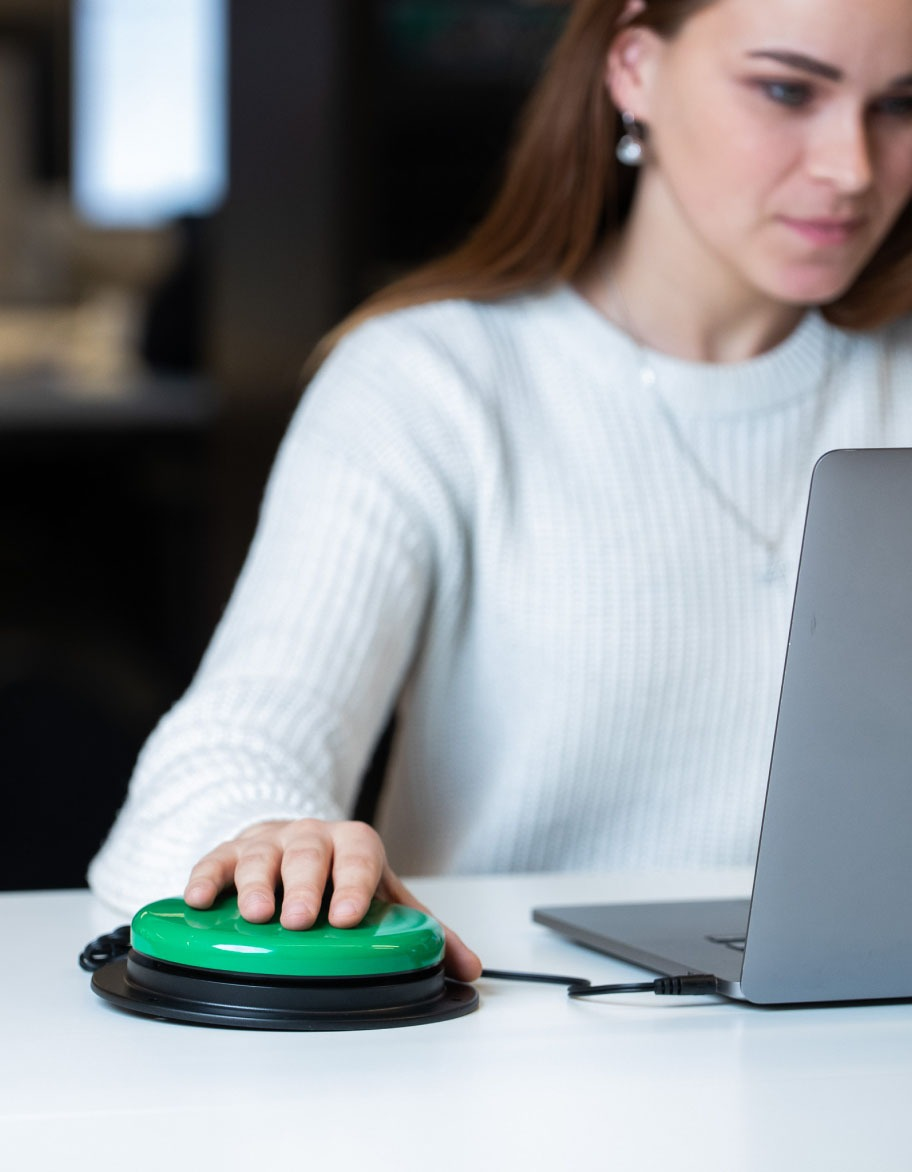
{"x":532,"y":1081}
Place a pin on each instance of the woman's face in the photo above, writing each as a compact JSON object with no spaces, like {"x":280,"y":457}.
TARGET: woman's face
{"x":780,"y":138}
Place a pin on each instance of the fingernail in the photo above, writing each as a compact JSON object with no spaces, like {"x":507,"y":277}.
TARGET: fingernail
{"x":255,"y":906}
{"x":297,"y":911}
{"x":345,"y":909}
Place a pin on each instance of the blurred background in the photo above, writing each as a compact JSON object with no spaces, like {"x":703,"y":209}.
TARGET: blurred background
{"x":191,"y":193}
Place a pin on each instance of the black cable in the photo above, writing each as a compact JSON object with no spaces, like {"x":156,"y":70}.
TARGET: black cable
{"x":691,"y":984}
{"x":117,"y":943}
{"x":105,"y":949}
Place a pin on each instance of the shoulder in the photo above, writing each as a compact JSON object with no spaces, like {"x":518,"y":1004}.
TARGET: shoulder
{"x":445,"y":360}
{"x":888,"y":347}
{"x":894,"y":338}
{"x":894,"y":365}
{"x":467,"y":339}
{"x":410,"y":395}
{"x":422,"y":366}
{"x":897,"y":337}
{"x":874,"y":373}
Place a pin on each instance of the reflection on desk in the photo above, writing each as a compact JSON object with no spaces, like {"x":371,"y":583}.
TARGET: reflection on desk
{"x":531,"y":1081}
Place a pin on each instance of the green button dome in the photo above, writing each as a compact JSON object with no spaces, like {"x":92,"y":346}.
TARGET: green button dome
{"x":390,"y":939}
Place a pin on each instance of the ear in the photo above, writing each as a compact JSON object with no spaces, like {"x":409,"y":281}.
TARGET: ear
{"x":630,"y":67}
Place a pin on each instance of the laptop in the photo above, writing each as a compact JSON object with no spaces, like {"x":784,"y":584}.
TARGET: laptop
{"x":829,"y":916}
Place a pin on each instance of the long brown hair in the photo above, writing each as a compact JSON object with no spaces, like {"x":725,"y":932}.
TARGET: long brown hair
{"x":563,"y":191}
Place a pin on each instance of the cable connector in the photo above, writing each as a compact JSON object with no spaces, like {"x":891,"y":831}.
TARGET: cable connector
{"x":688,"y":985}
{"x":693,"y":984}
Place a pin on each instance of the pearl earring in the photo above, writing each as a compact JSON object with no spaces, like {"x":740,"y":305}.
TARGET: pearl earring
{"x":631,"y":147}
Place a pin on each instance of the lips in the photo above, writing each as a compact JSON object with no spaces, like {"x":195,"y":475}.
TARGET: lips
{"x":825,"y":232}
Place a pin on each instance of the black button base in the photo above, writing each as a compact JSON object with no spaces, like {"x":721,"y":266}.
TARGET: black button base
{"x":180,"y":993}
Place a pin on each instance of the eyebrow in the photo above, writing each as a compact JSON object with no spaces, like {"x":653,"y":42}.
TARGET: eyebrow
{"x":818,"y":68}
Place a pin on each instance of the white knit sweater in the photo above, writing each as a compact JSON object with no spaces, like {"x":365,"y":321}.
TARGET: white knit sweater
{"x":481,"y":517}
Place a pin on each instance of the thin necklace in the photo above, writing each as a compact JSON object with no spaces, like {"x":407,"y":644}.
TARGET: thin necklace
{"x":775,"y":569}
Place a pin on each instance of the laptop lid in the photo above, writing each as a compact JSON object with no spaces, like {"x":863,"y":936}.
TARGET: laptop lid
{"x":828,"y":918}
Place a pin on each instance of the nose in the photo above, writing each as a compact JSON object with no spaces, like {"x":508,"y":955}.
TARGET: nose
{"x":841,"y":153}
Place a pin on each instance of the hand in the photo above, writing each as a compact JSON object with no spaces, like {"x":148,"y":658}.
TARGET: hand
{"x":303,"y":855}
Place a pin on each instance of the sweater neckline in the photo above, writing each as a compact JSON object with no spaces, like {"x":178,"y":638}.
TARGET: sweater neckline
{"x":788,"y":372}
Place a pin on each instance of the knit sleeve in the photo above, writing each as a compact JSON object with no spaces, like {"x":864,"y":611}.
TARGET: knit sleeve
{"x":306,"y":664}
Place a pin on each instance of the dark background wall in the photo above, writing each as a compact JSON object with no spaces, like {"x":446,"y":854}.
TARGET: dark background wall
{"x":364,"y":136}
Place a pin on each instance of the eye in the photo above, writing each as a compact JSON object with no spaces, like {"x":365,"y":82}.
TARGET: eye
{"x":896,"y":106}
{"x":787,"y":93}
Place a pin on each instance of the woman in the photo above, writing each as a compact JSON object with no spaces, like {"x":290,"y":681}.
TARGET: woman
{"x":544,"y":499}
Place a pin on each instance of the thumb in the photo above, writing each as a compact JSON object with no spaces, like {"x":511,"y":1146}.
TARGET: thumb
{"x":460,"y":961}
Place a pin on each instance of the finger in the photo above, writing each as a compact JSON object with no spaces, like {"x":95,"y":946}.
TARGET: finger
{"x":460,"y":961}
{"x":358,"y":862}
{"x":255,"y":876}
{"x":305,"y":871}
{"x":210,"y":876}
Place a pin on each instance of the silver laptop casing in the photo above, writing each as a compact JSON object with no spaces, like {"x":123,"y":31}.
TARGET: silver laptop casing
{"x":829,"y":918}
